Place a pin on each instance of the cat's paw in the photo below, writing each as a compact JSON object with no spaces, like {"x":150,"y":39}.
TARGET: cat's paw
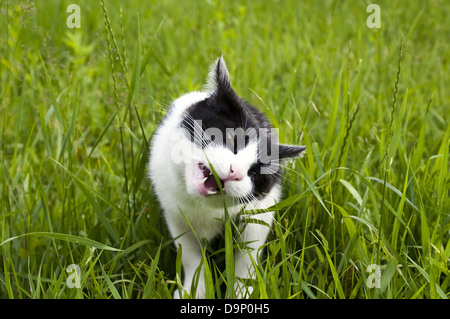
{"x":176,"y":294}
{"x":200,"y":295}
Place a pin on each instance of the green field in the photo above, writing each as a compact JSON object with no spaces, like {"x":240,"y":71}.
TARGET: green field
{"x":372,"y":105}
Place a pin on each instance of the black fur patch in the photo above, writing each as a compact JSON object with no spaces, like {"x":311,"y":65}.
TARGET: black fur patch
{"x":223,"y":111}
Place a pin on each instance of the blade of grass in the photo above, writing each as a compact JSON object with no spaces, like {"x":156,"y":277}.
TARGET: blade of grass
{"x":110,"y":284}
{"x":88,"y":189}
{"x":427,"y":277}
{"x":66,"y":237}
{"x":336,"y":280}
{"x":52,"y":93}
{"x":149,"y":289}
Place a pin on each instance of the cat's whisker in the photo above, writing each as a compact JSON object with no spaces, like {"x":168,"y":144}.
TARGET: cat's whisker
{"x":220,"y":133}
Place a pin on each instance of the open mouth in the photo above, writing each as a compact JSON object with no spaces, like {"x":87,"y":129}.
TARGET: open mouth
{"x":206,"y":182}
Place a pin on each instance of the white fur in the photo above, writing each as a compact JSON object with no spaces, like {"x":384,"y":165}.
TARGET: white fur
{"x":172,"y":171}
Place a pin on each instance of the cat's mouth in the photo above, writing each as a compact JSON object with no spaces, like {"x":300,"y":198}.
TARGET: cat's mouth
{"x":206,"y":182}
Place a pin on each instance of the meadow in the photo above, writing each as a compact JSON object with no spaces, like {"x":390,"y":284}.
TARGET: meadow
{"x":366,"y":211}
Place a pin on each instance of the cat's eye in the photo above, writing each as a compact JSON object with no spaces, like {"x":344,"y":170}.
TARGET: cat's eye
{"x":254,"y":169}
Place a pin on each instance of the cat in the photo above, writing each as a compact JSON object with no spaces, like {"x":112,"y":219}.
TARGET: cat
{"x":214,"y":150}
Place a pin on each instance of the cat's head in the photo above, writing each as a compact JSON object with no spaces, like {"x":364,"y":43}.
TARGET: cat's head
{"x":230,"y":137}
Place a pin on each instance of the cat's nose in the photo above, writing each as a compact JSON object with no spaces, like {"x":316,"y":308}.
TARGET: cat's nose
{"x":236,"y":173}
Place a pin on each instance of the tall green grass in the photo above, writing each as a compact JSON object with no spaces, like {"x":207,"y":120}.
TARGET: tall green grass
{"x":78,"y":107}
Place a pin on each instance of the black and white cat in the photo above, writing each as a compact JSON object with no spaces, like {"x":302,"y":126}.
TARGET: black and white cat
{"x":216,"y":131}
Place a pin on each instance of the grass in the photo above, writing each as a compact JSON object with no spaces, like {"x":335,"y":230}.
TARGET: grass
{"x":77,"y":107}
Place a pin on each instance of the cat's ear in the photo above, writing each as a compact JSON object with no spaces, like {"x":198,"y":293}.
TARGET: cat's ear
{"x":219,"y":83}
{"x":290,"y":151}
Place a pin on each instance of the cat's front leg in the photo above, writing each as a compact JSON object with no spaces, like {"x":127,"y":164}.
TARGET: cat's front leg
{"x":191,"y":259}
{"x":254,"y":235}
